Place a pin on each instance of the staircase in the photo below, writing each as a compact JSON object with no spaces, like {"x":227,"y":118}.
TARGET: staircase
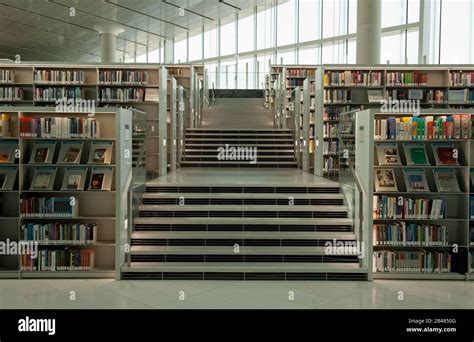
{"x":273,"y":148}
{"x":271,"y":232}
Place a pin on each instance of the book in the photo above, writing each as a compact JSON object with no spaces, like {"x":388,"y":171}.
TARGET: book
{"x":49,"y":207}
{"x":8,"y":176}
{"x":43,"y":152}
{"x":445,"y":154}
{"x":415,"y":154}
{"x":74,"y":178}
{"x":385,"y":180}
{"x":101,"y":152}
{"x":391,"y":207}
{"x":5,"y":126}
{"x":73,"y":182}
{"x":43,"y":178}
{"x":415,"y":180}
{"x":446,"y":180}
{"x":4,"y":154}
{"x":70,"y":152}
{"x":97,"y":181}
{"x":387,"y":154}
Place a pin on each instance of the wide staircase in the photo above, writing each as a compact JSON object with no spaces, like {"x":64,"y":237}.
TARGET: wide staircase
{"x":241,"y":232}
{"x":206,"y":147}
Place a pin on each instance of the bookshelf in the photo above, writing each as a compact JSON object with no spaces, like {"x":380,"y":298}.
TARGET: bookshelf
{"x":78,"y":164}
{"x":346,"y":88}
{"x":173,"y":125}
{"x":418,"y":188}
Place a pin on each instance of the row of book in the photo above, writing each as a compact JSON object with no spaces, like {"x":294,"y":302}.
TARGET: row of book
{"x":59,"y":93}
{"x":412,"y":261}
{"x":459,"y":78}
{"x":337,"y":95}
{"x":333,"y":113}
{"x":49,"y":207}
{"x":330,"y":130}
{"x":300,"y":72}
{"x":11,"y":94}
{"x":60,"y":233}
{"x":331,"y":147}
{"x":122,"y":95}
{"x":416,"y":181}
{"x":74,"y":179}
{"x":126,"y":77}
{"x":68,"y":259}
{"x":331,"y":164}
{"x":406,"y":78}
{"x":59,"y":127}
{"x":5,"y":126}
{"x":390,"y":207}
{"x":46,"y":76}
{"x":428,"y":96}
{"x":444,"y":153}
{"x":410,"y":234}
{"x":462,"y":96}
{"x":353,"y":78}
{"x":7,"y":76}
{"x":427,"y":127}
{"x":294,"y":82}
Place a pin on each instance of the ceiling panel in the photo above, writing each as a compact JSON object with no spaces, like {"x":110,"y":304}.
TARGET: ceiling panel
{"x":45,"y":30}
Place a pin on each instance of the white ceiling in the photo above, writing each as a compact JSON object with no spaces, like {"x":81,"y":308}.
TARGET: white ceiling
{"x":44,"y":30}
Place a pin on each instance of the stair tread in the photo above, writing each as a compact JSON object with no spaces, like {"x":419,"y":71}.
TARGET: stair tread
{"x":246,"y":220}
{"x":238,"y":130}
{"x":243,"y":235}
{"x":291,"y":267}
{"x":245,"y":195}
{"x":245,"y":207}
{"x":258,"y":151}
{"x":214,"y":155}
{"x":239,"y":134}
{"x":236,"y":162}
{"x":229,"y":250}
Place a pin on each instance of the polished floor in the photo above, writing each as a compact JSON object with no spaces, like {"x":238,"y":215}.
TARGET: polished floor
{"x":111,"y":294}
{"x":236,"y":177}
{"x":237,"y":113}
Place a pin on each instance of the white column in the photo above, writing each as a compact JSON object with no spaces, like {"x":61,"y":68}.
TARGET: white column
{"x":108,"y":42}
{"x":369,"y":13}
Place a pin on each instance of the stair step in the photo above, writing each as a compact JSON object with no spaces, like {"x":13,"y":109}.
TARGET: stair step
{"x":246,"y":221}
{"x":276,"y":147}
{"x":236,"y":162}
{"x":269,"y":208}
{"x":231,"y":140}
{"x":218,"y":130}
{"x":240,"y":195}
{"x":241,"y":134}
{"x":267,"y":267}
{"x":154,"y":235}
{"x":230,"y":250}
{"x":215,"y":151}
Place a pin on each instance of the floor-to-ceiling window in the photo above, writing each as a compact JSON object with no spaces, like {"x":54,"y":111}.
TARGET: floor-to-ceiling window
{"x":241,"y":46}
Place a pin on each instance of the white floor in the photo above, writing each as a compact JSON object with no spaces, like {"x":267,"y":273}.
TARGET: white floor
{"x":111,"y":294}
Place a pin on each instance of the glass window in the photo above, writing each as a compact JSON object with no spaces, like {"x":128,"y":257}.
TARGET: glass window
{"x":412,"y":46}
{"x":180,"y":51}
{"x":309,"y":20}
{"x":211,"y":71}
{"x":210,"y":43}
{"x":352,"y":13}
{"x":288,"y":56}
{"x":286,"y":19}
{"x":456,"y":31}
{"x":245,"y":80}
{"x":154,"y":56}
{"x":351,"y":51}
{"x":141,"y":59}
{"x":393,"y":48}
{"x":264,"y":29}
{"x":334,"y":18}
{"x":228,"y":39}
{"x":308,"y":55}
{"x":413,"y":11}
{"x":246,"y":33}
{"x":334,"y":53}
{"x":195,"y":47}
{"x":263,"y":69}
{"x":226,"y":76}
{"x":393,"y":12}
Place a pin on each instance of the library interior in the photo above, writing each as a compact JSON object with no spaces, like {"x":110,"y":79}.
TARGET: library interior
{"x":237,"y":154}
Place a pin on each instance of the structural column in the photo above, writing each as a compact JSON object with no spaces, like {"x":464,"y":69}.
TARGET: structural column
{"x":108,"y":42}
{"x":369,"y":13}
{"x":169,"y":51}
